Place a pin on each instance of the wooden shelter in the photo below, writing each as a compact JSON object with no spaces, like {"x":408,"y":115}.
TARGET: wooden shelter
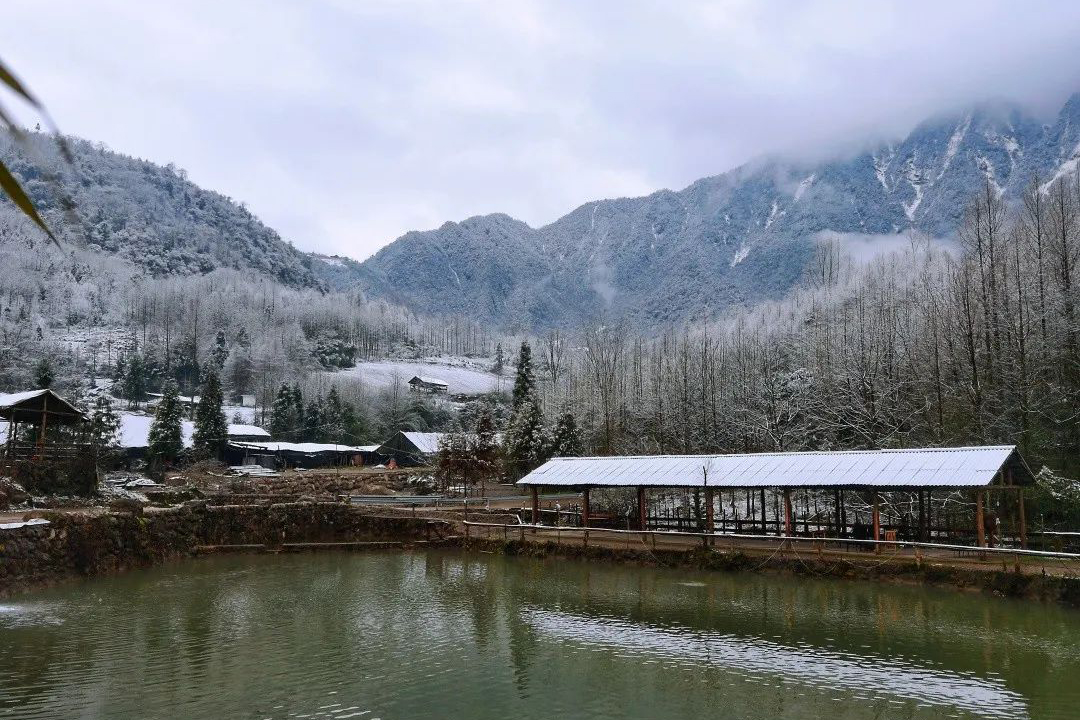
{"x":870,"y":474}
{"x":43,"y":410}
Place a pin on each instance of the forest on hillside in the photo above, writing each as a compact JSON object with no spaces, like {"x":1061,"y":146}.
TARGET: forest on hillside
{"x":979,"y":344}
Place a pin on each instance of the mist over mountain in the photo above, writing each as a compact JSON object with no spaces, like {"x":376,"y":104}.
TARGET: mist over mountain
{"x":732,"y":239}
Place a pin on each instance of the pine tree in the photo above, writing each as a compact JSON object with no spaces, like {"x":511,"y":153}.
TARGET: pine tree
{"x":484,"y":449}
{"x":566,"y":439}
{"x":103,"y":428}
{"x":525,"y":380}
{"x":332,"y":417}
{"x":527,"y":441}
{"x":166,"y":441}
{"x":220,"y":352}
{"x":282,"y":416}
{"x":211,"y":426}
{"x":297,"y":433}
{"x":134,"y":383}
{"x":353,"y":426}
{"x":500,"y":361}
{"x":43,"y":374}
{"x":313,"y":422}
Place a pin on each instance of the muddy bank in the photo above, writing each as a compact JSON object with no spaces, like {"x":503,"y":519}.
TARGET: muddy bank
{"x":997,"y":582}
{"x":72,"y":545}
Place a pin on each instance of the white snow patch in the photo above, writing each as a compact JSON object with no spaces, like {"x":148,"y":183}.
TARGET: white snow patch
{"x":954,"y":143}
{"x":915,"y":179}
{"x":24,"y":523}
{"x":774,"y":213}
{"x":1066,"y":168}
{"x":804,"y":185}
{"x":460,"y":378}
{"x":880,"y":166}
{"x":740,"y":254}
{"x":336,"y":262}
{"x":988,"y":170}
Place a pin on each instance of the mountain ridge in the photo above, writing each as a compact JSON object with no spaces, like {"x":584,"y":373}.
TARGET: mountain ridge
{"x":738,"y":237}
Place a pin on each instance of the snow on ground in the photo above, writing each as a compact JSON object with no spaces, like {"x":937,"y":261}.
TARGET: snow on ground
{"x":462,"y":376}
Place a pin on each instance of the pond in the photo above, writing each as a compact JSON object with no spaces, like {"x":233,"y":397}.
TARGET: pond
{"x":452,"y":635}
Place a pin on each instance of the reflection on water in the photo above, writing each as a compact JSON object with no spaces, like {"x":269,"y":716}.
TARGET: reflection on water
{"x":821,"y":669}
{"x":447,"y":635}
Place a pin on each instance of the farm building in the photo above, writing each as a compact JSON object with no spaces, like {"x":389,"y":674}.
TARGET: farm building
{"x":411,"y":448}
{"x":428,"y":384}
{"x":306,"y":455}
{"x":135,"y":433}
{"x":771,"y":493}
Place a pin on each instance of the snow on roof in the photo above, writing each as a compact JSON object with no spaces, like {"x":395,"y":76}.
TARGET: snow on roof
{"x":9,"y":399}
{"x":135,"y":430}
{"x":236,"y":429}
{"x":429,"y":380}
{"x":925,"y":467}
{"x":425,"y":442}
{"x":305,"y":447}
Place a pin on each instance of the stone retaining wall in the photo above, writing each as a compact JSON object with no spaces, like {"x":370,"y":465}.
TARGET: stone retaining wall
{"x":82,"y":544}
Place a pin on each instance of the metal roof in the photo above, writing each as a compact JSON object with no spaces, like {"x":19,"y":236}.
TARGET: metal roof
{"x":922,"y":467}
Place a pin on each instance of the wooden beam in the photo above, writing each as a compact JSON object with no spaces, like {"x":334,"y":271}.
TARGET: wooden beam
{"x":585,"y":507}
{"x":1023,"y":518}
{"x":535,"y":504}
{"x":764,"y":516}
{"x":643,"y":509}
{"x":877,"y":521}
{"x":787,"y":513}
{"x":710,"y":525}
{"x":980,"y":527}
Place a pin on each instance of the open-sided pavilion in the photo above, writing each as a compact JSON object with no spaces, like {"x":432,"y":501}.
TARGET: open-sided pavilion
{"x":977,"y":470}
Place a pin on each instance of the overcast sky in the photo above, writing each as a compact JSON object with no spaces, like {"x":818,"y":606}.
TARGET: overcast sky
{"x":345,"y":124}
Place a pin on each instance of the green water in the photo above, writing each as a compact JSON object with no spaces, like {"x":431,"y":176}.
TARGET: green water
{"x":447,"y":635}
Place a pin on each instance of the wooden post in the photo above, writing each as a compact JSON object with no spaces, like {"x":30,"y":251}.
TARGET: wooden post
{"x":836,"y":512}
{"x":585,"y":508}
{"x":44,"y":418}
{"x":877,"y":521}
{"x":643,"y":509}
{"x":787,"y":513}
{"x":710,"y":525}
{"x":1023,"y":519}
{"x":922,"y":517}
{"x":980,"y":527}
{"x":535,"y":504}
{"x":764,"y":517}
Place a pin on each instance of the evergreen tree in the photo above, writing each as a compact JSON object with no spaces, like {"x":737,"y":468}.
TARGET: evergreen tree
{"x":134,"y":383}
{"x":314,"y":430}
{"x":525,"y":380}
{"x":103,"y":428}
{"x":527,"y":441}
{"x":282,"y":416}
{"x":220,"y":352}
{"x":332,"y":417}
{"x":484,"y":449}
{"x":211,"y":425}
{"x":43,"y":374}
{"x":166,"y":439}
{"x":500,"y":361}
{"x":566,"y":439}
{"x":297,"y":433}
{"x":354,"y":426}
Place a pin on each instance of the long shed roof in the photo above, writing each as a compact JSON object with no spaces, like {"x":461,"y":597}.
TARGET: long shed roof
{"x":922,"y":467}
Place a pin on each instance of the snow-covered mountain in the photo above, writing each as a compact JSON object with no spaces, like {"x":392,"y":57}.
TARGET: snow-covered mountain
{"x":739,"y":237}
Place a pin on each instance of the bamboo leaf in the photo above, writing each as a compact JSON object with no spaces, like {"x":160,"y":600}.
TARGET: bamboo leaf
{"x":9,"y":79}
{"x":11,"y":186}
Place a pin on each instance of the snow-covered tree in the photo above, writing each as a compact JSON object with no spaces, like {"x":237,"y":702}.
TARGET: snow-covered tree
{"x":166,"y":438}
{"x":211,"y":425}
{"x":566,"y":440}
